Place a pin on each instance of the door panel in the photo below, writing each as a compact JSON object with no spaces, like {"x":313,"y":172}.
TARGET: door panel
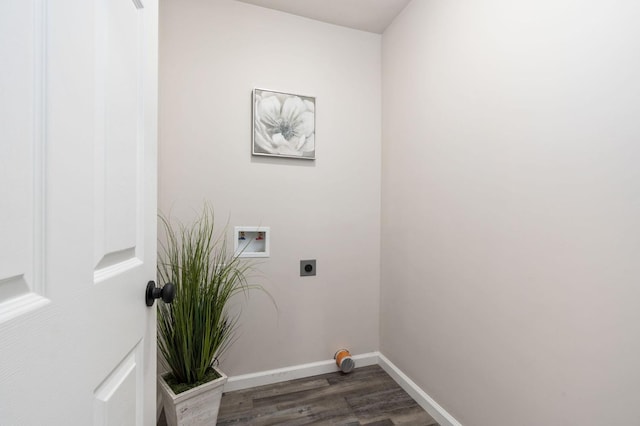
{"x":119,"y":116}
{"x":78,"y":212}
{"x":118,"y":399}
{"x":20,"y":163}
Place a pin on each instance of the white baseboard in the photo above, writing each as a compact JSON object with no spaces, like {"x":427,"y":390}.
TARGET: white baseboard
{"x":268,"y":377}
{"x":434,"y":409}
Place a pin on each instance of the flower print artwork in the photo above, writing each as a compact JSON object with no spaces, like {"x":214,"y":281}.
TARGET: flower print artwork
{"x":283,"y":125}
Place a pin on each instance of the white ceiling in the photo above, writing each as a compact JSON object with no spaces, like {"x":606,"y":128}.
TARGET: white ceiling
{"x":367,"y":15}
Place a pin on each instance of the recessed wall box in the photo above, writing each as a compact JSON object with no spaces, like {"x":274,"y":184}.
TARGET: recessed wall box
{"x":251,"y":241}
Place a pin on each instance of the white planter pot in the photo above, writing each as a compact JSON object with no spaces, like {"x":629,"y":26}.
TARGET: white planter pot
{"x":195,"y":407}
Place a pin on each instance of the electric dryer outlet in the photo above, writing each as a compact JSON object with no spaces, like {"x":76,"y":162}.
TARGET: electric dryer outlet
{"x":307,"y":268}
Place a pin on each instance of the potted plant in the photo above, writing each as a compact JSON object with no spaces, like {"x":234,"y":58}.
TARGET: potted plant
{"x":197,"y":327}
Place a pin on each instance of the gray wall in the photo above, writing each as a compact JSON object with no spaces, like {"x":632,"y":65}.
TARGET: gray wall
{"x":511,"y":206}
{"x":212,"y":54}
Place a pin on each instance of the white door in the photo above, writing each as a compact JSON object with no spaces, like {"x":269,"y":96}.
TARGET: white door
{"x":77,"y":211}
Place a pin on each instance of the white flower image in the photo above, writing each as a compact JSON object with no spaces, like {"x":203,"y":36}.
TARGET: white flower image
{"x":284,"y":124}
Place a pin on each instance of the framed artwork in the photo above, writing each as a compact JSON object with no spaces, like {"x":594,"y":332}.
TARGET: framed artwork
{"x":284,"y":125}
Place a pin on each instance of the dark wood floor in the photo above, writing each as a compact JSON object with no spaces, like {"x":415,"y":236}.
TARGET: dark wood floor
{"x":366,"y":396}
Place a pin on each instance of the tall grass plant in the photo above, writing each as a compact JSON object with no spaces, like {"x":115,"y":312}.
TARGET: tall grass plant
{"x":197,"y":328}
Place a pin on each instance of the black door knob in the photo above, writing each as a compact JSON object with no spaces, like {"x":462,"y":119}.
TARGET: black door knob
{"x":167,"y":293}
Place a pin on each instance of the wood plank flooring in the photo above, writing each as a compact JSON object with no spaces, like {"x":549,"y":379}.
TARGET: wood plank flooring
{"x":366,"y":396}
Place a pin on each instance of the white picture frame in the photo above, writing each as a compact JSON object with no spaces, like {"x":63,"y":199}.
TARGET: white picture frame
{"x":284,"y":125}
